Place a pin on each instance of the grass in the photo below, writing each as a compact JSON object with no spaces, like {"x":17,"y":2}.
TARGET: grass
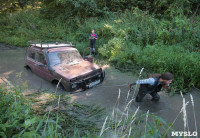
{"x":192,"y":101}
{"x":142,"y":40}
{"x":127,"y":40}
{"x":45,"y":113}
{"x":51,"y":116}
{"x":139,"y":124}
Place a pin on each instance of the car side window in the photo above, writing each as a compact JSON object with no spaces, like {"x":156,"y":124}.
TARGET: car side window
{"x":31,"y":54}
{"x":41,"y":58}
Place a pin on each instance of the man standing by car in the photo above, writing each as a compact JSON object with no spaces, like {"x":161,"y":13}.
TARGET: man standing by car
{"x":153,"y":85}
{"x":93,"y":37}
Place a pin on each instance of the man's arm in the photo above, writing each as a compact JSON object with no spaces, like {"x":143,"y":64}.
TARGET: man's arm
{"x":96,"y":36}
{"x":149,"y":81}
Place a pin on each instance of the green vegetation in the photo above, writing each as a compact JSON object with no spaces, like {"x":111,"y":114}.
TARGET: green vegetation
{"x":159,"y":36}
{"x":36,"y":116}
{"x":42,"y":114}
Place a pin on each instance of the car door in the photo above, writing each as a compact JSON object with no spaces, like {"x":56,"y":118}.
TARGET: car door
{"x":30,"y":59}
{"x":41,"y":67}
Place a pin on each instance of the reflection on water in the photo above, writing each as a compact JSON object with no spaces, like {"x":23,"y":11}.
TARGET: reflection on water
{"x":12,"y":69}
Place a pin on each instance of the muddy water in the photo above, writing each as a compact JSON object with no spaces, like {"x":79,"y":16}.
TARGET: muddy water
{"x":12,"y":69}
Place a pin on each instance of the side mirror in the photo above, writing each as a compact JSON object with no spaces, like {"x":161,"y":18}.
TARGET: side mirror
{"x":88,"y":58}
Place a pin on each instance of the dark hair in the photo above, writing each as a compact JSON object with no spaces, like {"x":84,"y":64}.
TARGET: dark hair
{"x":167,"y":76}
{"x":156,"y":75}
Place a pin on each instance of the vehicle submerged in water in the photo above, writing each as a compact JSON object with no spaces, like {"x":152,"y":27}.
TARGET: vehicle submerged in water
{"x":62,"y":62}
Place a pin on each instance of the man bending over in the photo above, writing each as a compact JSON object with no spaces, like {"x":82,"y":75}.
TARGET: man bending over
{"x":153,"y":85}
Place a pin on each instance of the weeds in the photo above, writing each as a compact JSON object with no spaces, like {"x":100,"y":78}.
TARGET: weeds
{"x":53,"y":116}
{"x":137,"y":124}
{"x":125,"y":39}
{"x":192,"y":101}
{"x":58,"y":117}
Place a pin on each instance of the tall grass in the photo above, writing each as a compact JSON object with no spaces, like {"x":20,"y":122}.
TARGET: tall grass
{"x":125,"y":39}
{"x":137,"y":124}
{"x":20,"y":118}
{"x":140,"y":124}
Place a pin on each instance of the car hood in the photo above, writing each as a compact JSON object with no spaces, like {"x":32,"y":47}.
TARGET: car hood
{"x":75,"y":70}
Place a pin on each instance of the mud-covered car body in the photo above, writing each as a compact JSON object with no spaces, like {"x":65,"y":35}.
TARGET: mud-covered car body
{"x":61,"y":62}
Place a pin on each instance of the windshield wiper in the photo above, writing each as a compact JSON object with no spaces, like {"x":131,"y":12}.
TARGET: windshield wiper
{"x":73,"y":63}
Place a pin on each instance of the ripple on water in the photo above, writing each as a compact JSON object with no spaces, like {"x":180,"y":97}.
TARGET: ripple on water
{"x":152,"y":106}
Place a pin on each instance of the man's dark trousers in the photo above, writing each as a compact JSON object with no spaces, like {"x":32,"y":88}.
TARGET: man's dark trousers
{"x":143,"y":90}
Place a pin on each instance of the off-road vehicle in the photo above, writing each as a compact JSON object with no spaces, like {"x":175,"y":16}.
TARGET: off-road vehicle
{"x":62,"y":62}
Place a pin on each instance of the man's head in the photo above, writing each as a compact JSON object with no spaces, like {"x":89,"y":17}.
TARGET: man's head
{"x":93,"y":31}
{"x":166,"y":78}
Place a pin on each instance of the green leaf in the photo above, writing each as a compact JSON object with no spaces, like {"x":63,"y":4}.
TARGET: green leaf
{"x":29,"y":122}
{"x":30,"y":134}
{"x":39,"y":125}
{"x":2,"y":134}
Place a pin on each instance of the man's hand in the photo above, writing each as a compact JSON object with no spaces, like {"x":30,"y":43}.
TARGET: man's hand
{"x":130,"y":85}
{"x":166,"y":87}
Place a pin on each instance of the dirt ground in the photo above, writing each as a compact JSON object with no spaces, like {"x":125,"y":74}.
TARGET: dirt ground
{"x":12,"y":69}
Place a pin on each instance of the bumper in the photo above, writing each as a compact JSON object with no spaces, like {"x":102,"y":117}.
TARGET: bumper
{"x":87,"y":83}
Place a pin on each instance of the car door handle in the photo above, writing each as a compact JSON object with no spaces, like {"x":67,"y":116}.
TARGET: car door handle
{"x":42,"y":65}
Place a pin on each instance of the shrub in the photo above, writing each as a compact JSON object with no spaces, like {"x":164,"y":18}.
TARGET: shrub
{"x":19,"y":118}
{"x":182,"y":63}
{"x":132,"y":37}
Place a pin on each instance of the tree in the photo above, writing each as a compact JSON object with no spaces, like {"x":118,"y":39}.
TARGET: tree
{"x":9,"y":6}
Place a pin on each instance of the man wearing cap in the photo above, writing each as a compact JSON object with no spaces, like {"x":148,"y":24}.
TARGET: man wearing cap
{"x":152,"y":85}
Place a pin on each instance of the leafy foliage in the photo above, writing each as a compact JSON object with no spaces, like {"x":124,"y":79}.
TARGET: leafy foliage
{"x":127,"y":35}
{"x":10,"y":6}
{"x":91,"y":8}
{"x":20,"y":118}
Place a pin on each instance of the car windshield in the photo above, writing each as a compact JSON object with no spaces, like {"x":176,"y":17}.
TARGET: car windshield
{"x":64,"y":57}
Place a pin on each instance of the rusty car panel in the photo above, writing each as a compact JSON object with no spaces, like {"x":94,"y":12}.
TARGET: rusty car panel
{"x":63,"y":63}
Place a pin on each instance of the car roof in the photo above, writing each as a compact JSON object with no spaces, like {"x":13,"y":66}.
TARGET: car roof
{"x":61,"y":49}
{"x":53,"y":49}
{"x":52,"y":45}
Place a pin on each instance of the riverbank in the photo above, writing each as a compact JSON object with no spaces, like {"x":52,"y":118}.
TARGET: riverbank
{"x":105,"y":94}
{"x":126,"y":39}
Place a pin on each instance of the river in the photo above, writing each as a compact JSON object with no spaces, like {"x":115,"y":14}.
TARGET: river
{"x":12,"y":70}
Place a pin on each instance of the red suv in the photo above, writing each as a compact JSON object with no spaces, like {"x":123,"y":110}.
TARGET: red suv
{"x":61,"y":61}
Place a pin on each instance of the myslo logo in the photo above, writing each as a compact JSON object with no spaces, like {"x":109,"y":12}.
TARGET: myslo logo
{"x":183,"y":133}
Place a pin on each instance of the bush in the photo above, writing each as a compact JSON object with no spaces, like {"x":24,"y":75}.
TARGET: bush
{"x":15,"y":113}
{"x":132,"y":37}
{"x":20,"y":118}
{"x":182,"y":63}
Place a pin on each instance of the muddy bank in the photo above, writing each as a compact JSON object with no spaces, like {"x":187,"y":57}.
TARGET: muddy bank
{"x":7,"y":47}
{"x":12,"y":69}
